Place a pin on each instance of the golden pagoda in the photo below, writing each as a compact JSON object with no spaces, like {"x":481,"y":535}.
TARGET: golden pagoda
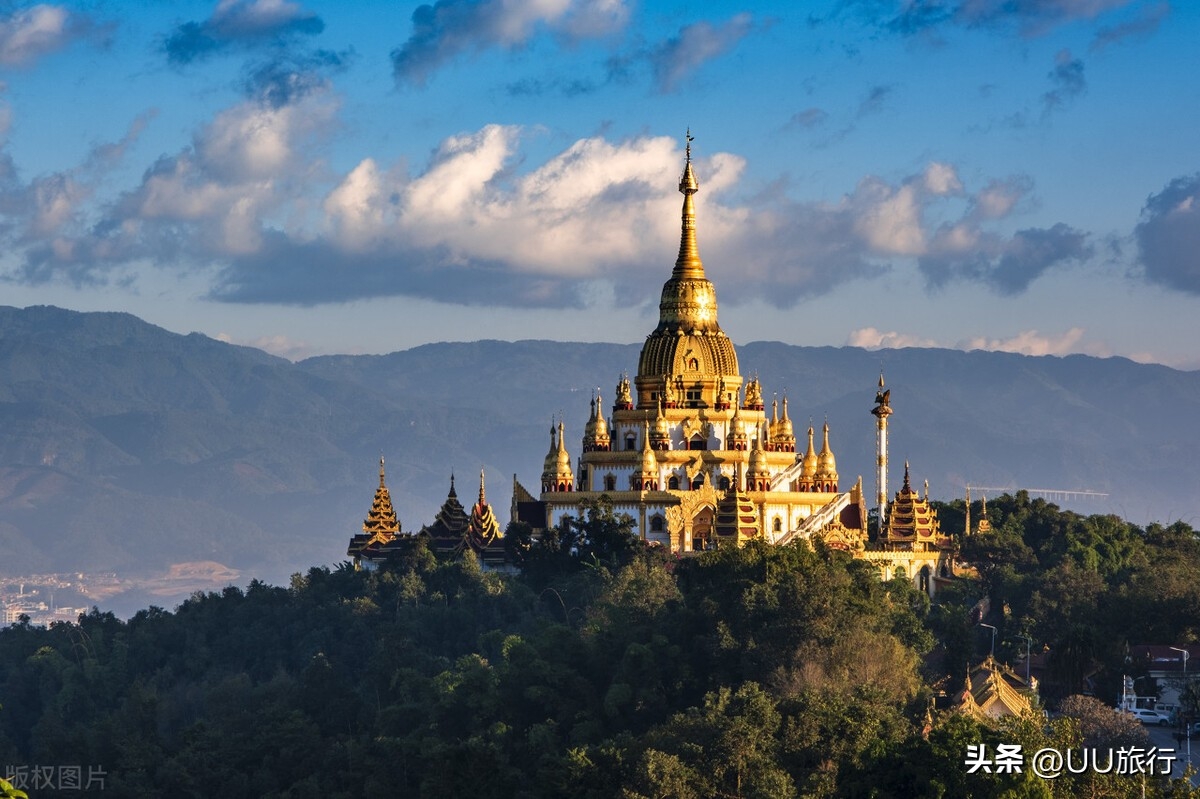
{"x":688,"y":448}
{"x":380,"y":530}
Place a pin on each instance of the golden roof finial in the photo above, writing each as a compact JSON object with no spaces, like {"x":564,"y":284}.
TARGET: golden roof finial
{"x":482,"y":501}
{"x":688,"y":264}
{"x":381,"y":471}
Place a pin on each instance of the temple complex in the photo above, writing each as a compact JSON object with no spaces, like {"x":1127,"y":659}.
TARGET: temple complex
{"x":690,"y":450}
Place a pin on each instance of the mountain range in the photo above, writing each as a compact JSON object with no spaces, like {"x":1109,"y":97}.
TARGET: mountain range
{"x":125,"y":447}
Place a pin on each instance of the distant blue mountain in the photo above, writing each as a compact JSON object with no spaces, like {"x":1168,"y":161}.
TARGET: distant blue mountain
{"x":124,"y":446}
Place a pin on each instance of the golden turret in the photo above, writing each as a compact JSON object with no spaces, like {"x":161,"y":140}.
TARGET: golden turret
{"x":645,"y":478}
{"x":754,"y":400}
{"x":758,"y":476}
{"x":595,"y":432}
{"x":556,"y":472}
{"x":785,"y":435}
{"x":808,"y":469}
{"x":736,"y":438}
{"x":660,"y":436}
{"x":827,"y":474}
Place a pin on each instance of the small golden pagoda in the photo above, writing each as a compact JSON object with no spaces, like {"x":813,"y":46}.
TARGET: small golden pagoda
{"x":380,"y":529}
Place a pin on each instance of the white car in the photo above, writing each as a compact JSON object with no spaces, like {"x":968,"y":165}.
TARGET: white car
{"x":1151,"y":716}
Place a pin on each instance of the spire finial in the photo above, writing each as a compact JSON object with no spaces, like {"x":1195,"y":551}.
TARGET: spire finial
{"x":482,"y":501}
{"x":688,"y":264}
{"x":381,"y":471}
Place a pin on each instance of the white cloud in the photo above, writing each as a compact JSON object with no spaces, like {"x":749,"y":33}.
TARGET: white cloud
{"x":890,"y":218}
{"x":873,"y":339}
{"x":1033,"y":342}
{"x":1026,"y":342}
{"x":32,"y":32}
{"x":942,"y":179}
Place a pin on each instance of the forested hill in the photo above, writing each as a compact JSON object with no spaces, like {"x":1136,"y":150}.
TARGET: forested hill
{"x":124,"y":446}
{"x":608,"y":669}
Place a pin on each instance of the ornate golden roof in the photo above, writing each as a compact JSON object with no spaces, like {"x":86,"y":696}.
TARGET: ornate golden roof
{"x":910,"y":519}
{"x":381,"y":521}
{"x":483,"y":529}
{"x":736,"y":517}
{"x":688,"y":338}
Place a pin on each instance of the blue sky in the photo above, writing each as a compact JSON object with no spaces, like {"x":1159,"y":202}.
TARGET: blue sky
{"x":316,"y":177}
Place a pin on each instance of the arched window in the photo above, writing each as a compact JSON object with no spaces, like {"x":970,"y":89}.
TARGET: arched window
{"x":630,"y":441}
{"x":656,"y":524}
{"x":610,"y":482}
{"x":900,"y":573}
{"x":697,"y":482}
{"x":673,"y":483}
{"x":777,"y":525}
{"x":697,"y":442}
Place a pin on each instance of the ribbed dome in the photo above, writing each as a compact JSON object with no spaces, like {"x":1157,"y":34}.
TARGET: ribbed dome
{"x":671,"y":352}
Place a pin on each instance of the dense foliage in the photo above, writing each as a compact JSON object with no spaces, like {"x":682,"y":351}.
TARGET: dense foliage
{"x":603,"y":669}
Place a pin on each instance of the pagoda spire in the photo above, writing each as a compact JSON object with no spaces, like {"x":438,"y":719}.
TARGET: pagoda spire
{"x":482,"y":500}
{"x":688,"y":264}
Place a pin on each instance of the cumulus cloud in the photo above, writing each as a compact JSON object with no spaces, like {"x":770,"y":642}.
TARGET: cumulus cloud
{"x":241,"y":22}
{"x":478,"y":224}
{"x":205,"y":202}
{"x":1168,"y":235}
{"x":680,"y":56}
{"x":1029,"y":18}
{"x":30,"y":33}
{"x":962,"y":251}
{"x":450,"y":28}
